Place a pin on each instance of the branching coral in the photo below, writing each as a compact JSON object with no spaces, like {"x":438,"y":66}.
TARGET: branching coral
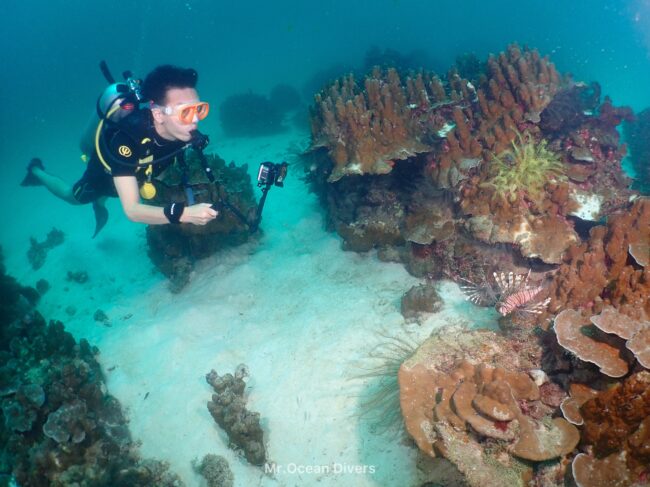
{"x":527,"y":166}
{"x":367,"y":126}
{"x":609,"y":267}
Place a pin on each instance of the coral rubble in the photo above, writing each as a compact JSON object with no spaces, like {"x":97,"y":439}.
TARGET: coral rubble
{"x":228,"y":408}
{"x":215,"y":470}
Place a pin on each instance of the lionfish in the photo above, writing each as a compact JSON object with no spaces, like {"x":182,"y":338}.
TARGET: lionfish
{"x":510,"y":293}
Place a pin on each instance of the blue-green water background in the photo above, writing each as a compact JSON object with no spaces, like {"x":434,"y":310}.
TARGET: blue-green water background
{"x":51,"y":49}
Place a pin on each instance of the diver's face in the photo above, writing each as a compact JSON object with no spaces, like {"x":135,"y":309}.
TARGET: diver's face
{"x":168,"y":125}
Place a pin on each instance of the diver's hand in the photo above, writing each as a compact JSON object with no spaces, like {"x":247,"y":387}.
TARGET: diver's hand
{"x":199,"y":214}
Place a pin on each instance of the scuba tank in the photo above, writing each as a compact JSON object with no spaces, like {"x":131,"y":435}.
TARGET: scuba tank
{"x":117,"y":101}
{"x":113,"y":95}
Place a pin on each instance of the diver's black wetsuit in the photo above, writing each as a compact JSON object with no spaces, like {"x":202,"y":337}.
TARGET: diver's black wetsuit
{"x":132,"y":141}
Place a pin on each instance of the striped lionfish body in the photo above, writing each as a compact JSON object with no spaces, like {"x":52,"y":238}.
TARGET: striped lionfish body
{"x":519,"y":301}
{"x":511,"y":293}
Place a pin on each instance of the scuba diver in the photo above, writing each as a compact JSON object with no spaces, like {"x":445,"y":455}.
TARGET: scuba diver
{"x":141,"y":130}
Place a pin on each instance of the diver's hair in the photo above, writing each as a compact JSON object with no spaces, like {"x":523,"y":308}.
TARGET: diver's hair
{"x":164,"y":78}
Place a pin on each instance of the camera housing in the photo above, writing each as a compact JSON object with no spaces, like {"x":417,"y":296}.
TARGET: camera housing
{"x":270,"y":174}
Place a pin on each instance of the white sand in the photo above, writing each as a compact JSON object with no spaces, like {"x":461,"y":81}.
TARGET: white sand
{"x":294,"y":307}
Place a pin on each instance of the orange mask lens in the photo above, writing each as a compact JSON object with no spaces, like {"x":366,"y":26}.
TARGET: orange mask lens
{"x":202,"y":110}
{"x":186,"y":113}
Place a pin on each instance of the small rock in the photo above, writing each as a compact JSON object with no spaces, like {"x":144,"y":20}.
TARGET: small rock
{"x":102,"y":318}
{"x":420,"y":300}
{"x":80,"y":277}
{"x":42,"y":286}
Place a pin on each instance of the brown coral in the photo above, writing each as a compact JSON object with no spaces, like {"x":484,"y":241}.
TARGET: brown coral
{"x":613,"y":415}
{"x":599,"y":271}
{"x":611,"y":471}
{"x":455,"y":395}
{"x":574,"y":333}
{"x":518,"y":86}
{"x":568,"y":330}
{"x":366,"y":126}
{"x":617,"y":429}
{"x":578,"y":395}
{"x":636,"y":332}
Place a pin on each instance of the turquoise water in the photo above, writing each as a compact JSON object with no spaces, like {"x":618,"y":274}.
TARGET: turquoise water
{"x":49,"y":57}
{"x":51,"y":51}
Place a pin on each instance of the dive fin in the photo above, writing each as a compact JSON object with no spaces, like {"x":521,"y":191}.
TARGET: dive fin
{"x":30,"y":179}
{"x":101,"y":216}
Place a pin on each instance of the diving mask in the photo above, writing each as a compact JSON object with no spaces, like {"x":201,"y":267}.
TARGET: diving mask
{"x":187,"y":111}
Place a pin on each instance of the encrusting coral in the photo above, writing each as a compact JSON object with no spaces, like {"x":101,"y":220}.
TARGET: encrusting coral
{"x":616,"y":436}
{"x":460,"y":400}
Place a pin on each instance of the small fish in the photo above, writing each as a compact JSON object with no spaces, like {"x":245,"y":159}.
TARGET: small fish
{"x":111,"y":369}
{"x":146,"y":396}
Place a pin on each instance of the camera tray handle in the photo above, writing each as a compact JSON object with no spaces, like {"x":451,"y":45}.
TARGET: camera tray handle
{"x":223,"y":202}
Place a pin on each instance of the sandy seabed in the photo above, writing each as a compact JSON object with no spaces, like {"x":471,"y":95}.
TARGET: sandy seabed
{"x":301,"y":313}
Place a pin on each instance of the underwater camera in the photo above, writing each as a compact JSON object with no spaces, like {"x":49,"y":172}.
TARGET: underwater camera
{"x":271,"y":174}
